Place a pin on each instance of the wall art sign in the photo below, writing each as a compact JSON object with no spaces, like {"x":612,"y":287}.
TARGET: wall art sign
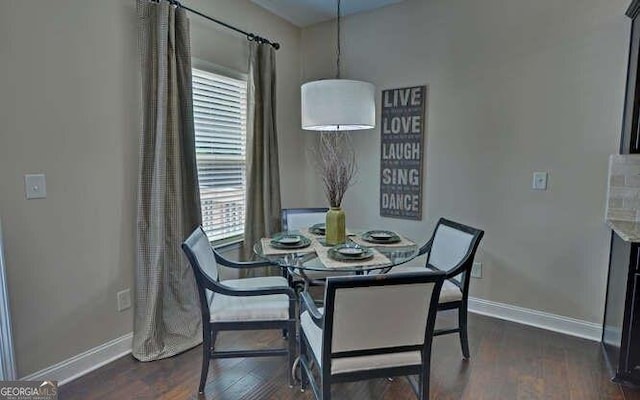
{"x":403,"y":131}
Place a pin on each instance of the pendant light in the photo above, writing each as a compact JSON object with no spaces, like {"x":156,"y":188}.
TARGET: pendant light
{"x":338,"y":104}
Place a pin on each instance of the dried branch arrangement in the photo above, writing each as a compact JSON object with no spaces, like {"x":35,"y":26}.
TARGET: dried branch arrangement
{"x":335,"y":161}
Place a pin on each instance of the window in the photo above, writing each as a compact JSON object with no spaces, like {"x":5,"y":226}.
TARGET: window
{"x":220,"y":115}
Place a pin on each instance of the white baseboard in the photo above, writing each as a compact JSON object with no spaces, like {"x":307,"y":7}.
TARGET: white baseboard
{"x":539,"y":319}
{"x":83,"y":363}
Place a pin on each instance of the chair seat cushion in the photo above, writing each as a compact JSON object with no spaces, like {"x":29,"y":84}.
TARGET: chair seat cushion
{"x":251,"y":308}
{"x":352,"y":364}
{"x":450,"y":291}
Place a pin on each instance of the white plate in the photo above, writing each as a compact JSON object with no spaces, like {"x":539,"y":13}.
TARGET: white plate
{"x":319,"y":228}
{"x":380,"y":235}
{"x":289,"y":240}
{"x":350,"y":251}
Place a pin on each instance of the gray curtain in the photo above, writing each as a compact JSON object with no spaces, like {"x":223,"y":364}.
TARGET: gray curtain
{"x":167,"y":316}
{"x":262,"y":216}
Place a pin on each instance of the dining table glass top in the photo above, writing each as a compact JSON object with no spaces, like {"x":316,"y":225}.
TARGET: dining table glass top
{"x":358,"y":254}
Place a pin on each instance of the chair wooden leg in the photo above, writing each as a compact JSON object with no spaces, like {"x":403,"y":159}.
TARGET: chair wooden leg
{"x":424,"y":384}
{"x":206,"y":357}
{"x":302,"y":350}
{"x":464,"y":338}
{"x":292,"y":351}
{"x":326,"y":389}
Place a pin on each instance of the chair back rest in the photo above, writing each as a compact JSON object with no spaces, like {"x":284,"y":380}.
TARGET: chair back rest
{"x":203,"y":262}
{"x":378,"y":314}
{"x":300,"y":218}
{"x":453,"y":247}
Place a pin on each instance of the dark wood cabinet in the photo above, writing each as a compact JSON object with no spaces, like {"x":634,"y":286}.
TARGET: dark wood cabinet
{"x":621,"y":333}
{"x":630,"y":142}
{"x":621,"y":330}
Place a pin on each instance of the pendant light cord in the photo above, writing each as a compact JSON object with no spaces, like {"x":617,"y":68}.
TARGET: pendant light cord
{"x":338,"y":50}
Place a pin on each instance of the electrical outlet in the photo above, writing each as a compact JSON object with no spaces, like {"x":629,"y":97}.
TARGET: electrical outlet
{"x":539,"y":180}
{"x":476,"y":270}
{"x":35,"y":186}
{"x":124,"y":300}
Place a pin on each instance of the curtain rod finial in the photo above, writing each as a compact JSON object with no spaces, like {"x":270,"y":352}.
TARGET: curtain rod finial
{"x":260,"y":39}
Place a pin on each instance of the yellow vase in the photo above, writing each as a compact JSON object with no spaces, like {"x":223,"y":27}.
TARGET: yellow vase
{"x":335,"y":227}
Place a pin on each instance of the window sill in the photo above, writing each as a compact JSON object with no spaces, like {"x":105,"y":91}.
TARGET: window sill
{"x":232,"y":244}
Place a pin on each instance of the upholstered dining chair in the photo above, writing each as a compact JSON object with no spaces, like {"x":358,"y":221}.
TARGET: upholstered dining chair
{"x":293,"y":219}
{"x":238,"y":304}
{"x":366,"y":330}
{"x":452,"y":248}
{"x":300,"y":218}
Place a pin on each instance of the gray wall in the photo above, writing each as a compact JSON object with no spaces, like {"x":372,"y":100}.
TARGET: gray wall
{"x":69,"y":107}
{"x":515,"y":87}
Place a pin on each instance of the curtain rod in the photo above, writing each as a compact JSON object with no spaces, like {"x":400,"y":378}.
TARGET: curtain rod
{"x":250,"y":36}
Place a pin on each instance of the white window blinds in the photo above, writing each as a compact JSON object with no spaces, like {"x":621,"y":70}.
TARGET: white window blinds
{"x":219,"y":110}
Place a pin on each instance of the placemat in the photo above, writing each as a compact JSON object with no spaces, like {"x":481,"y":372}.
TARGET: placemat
{"x":378,"y":259}
{"x":267,"y":250}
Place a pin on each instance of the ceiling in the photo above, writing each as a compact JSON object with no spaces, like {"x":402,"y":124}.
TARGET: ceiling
{"x":308,"y":12}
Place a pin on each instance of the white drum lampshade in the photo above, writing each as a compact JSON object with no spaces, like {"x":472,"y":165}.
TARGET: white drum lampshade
{"x":338,"y":105}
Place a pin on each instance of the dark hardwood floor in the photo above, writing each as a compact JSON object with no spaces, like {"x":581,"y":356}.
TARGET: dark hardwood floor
{"x":508,"y":361}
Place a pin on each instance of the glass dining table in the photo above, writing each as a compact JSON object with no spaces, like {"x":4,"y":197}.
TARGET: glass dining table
{"x":318,"y":257}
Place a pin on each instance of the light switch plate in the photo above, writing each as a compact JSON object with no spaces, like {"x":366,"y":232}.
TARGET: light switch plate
{"x":539,"y":181}
{"x":124,"y":299}
{"x":35,"y":186}
{"x":476,"y":270}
